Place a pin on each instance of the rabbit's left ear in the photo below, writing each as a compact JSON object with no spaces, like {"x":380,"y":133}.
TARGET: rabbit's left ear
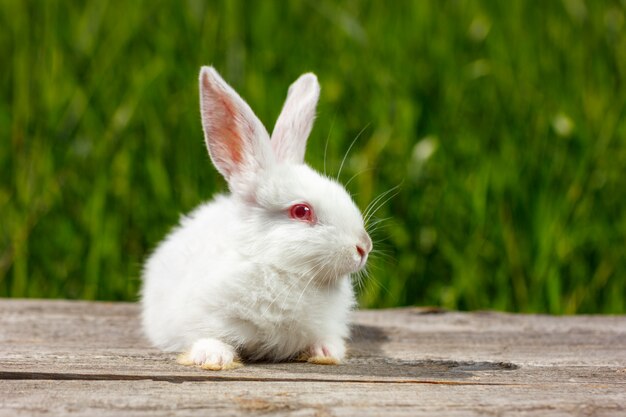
{"x":236,"y":139}
{"x":296,"y":120}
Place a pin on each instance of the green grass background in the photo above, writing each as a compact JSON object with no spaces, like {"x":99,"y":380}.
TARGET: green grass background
{"x":503,"y":121}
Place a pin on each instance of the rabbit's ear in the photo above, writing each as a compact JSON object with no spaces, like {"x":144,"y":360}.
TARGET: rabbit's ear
{"x":296,"y":120}
{"x":237,"y":141}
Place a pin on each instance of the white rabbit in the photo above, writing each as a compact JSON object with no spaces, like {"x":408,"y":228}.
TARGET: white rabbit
{"x":264,"y":272}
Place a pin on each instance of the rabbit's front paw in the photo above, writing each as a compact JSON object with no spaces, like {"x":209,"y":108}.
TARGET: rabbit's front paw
{"x":211,"y":354}
{"x":325,"y":353}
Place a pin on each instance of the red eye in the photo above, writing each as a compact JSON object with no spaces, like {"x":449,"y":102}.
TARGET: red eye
{"x":302,"y":212}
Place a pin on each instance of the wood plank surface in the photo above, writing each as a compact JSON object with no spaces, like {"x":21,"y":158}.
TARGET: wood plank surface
{"x":82,"y":358}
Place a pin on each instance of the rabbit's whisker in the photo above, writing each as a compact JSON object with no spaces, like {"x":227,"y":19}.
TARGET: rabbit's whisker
{"x":350,"y":147}
{"x":330,"y":131}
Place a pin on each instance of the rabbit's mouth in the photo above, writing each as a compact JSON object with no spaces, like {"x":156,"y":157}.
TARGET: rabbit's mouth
{"x":362,"y":262}
{"x":358,"y":259}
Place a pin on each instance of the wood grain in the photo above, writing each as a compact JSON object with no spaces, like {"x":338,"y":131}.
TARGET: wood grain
{"x":81,"y":358}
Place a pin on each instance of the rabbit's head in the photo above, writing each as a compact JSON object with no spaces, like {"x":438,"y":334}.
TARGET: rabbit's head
{"x":291,"y":217}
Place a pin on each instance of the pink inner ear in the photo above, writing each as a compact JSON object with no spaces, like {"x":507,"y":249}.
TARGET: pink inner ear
{"x":224,"y":138}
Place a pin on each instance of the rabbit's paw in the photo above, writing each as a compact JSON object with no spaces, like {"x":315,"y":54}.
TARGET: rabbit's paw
{"x":325,"y":353}
{"x":211,"y":354}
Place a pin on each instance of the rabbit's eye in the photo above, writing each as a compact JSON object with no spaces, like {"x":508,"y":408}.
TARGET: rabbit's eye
{"x":302,"y":212}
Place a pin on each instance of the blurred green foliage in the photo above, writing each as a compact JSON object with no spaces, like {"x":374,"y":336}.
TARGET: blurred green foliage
{"x":503,"y":121}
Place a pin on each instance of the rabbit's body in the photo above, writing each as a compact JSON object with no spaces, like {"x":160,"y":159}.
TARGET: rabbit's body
{"x":280,"y":315}
{"x":262,"y":273}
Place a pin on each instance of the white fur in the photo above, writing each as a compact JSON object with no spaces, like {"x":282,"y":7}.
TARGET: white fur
{"x":211,"y":351}
{"x":238,"y":271}
{"x":296,"y":120}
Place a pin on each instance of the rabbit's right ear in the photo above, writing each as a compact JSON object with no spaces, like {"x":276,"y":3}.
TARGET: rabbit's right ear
{"x":296,"y":120}
{"x":237,"y":141}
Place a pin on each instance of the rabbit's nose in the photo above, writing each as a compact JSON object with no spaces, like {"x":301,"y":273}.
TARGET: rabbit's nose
{"x":366,"y":243}
{"x":365,"y":246}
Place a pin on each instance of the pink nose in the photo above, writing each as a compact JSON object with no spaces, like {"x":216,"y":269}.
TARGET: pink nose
{"x":364,"y":247}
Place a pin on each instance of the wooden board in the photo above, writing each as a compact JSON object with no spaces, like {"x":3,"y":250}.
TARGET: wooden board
{"x":80,"y":358}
